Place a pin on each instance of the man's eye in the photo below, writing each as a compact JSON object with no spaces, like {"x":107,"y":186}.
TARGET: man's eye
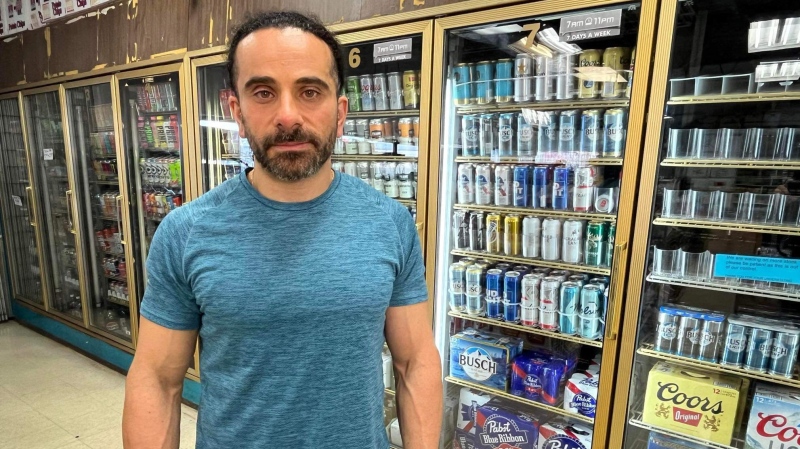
{"x":263,"y":94}
{"x":310,"y":93}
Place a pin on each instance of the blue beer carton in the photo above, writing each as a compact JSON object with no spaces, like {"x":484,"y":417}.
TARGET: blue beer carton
{"x":483,"y":358}
{"x":500,"y":426}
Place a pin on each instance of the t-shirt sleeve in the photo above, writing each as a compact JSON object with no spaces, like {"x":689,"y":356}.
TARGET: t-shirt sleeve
{"x":168,"y":300}
{"x":409,"y":284}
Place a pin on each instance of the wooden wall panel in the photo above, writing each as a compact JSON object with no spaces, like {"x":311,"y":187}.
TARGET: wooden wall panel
{"x":240,"y":8}
{"x":208,"y":23}
{"x":157,"y":27}
{"x":73,"y":46}
{"x":329,"y":11}
{"x":112,"y":42}
{"x":13,"y":71}
{"x":35,"y":44}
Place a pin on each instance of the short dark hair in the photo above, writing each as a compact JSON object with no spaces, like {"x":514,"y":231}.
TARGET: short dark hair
{"x":285,"y":19}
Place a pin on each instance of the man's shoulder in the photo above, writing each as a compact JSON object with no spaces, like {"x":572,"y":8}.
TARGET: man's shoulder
{"x":368,"y":195}
{"x":183,"y":218}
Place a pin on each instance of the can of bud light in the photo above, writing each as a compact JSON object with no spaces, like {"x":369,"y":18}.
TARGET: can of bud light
{"x":484,"y":187}
{"x":568,"y":306}
{"x":531,"y":237}
{"x":548,"y":303}
{"x":512,"y":297}
{"x":477,"y":237}
{"x":522,"y":186}
{"x":562,"y":182}
{"x":551,"y":239}
{"x":615,"y":124}
{"x":502,"y":182}
{"x":458,"y":279}
{"x":531,"y":285}
{"x":466,"y":184}
{"x":591,"y":141}
{"x":494,"y":294}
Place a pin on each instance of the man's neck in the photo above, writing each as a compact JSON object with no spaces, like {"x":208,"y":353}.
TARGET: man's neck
{"x":291,"y":192}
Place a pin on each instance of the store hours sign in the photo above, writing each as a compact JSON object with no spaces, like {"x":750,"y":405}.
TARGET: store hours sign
{"x":591,"y":25}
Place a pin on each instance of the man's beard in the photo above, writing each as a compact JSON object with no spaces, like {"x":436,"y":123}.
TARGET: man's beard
{"x":291,"y":166}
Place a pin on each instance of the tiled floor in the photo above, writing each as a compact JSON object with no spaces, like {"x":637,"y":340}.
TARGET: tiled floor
{"x":51,"y":397}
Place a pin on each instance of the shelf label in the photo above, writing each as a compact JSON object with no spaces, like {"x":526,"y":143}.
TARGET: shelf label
{"x":390,"y":58}
{"x":590,"y":26}
{"x":48,"y":154}
{"x":769,"y":269}
{"x":594,"y":34}
{"x":17,"y":200}
{"x":392,"y":51}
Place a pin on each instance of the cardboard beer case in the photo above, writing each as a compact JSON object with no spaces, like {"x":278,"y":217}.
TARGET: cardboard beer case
{"x":483,"y":358}
{"x":774,"y":418}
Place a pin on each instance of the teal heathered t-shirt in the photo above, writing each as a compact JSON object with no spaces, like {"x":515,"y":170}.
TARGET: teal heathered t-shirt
{"x":290,"y":301}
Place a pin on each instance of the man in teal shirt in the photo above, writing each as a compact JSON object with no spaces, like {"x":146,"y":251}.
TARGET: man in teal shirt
{"x":293,"y":275}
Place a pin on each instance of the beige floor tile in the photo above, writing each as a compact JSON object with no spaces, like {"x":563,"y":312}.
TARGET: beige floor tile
{"x":52,"y":437}
{"x":89,"y":424}
{"x":75,"y":445}
{"x":109,"y":439}
{"x":16,"y":427}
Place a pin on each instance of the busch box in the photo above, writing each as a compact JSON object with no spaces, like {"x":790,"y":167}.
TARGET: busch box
{"x":483,"y":358}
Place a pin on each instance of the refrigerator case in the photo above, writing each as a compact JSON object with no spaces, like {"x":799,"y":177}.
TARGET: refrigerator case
{"x":709,"y":353}
{"x":541,"y":121}
{"x":19,"y":207}
{"x":97,"y":198}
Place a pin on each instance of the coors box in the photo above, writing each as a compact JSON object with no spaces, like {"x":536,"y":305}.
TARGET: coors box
{"x":774,"y":418}
{"x":693,"y":402}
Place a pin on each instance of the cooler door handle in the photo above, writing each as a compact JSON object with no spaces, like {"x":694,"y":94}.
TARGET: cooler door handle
{"x":611,"y":317}
{"x":420,"y":228}
{"x":31,"y":214}
{"x":118,"y":199}
{"x":69,"y":212}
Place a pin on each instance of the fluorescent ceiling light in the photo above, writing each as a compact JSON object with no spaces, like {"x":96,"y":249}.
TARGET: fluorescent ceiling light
{"x":502,"y":29}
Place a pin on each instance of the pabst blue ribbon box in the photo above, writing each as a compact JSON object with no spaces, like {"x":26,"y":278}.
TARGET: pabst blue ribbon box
{"x":774,"y":418}
{"x":697,"y":403}
{"x":500,"y":426}
{"x":580,"y":394}
{"x":563,"y":434}
{"x":483,"y":358}
{"x":469,"y":402}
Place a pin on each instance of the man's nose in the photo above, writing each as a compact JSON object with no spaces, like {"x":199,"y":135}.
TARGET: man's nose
{"x":288,"y":115}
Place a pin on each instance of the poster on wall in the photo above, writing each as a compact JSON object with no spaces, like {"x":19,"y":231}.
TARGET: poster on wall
{"x":2,"y":19}
{"x":35,"y":19}
{"x":17,"y":14}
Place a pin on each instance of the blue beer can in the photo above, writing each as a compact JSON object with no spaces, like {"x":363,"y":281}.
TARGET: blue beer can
{"x":494,"y":294}
{"x":522,"y":186}
{"x":470,"y":131}
{"x":463,"y":85}
{"x":562,"y":191}
{"x":784,"y":352}
{"x":759,"y":350}
{"x":521,"y":269}
{"x":568,"y":307}
{"x":525,"y":137}
{"x":542,"y":181}
{"x":735,"y":349}
{"x":591,"y":311}
{"x":504,"y":81}
{"x":504,"y":267}
{"x":484,"y":82}
{"x":568,"y":135}
{"x":512,"y":297}
{"x":548,"y":132}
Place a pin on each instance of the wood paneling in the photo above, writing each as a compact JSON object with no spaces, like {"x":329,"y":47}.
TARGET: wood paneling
{"x":240,"y":8}
{"x":156,"y":27}
{"x":34,"y":56}
{"x":112,"y":42}
{"x":329,"y":11}
{"x":208,"y":23}
{"x":73,"y":46}
{"x":13,"y":71}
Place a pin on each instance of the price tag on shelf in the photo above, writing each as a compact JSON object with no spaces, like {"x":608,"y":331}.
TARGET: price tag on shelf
{"x":48,"y":154}
{"x":17,"y":200}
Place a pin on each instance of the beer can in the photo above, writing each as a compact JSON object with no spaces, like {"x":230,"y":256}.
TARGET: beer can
{"x":353,"y":92}
{"x":549,"y":298}
{"x":466,"y":184}
{"x":376,"y":129}
{"x":589,"y":88}
{"x":362,"y":169}
{"x":759,"y":350}
{"x":502,"y":179}
{"x":338,"y":148}
{"x":494,"y":294}
{"x":411,"y":89}
{"x":505,"y":134}
{"x":350,"y":169}
{"x":562,"y":182}
{"x":612,"y":233}
{"x":405,"y":180}
{"x":568,"y":136}
{"x":522,"y":269}
{"x":542,"y":183}
{"x":580,"y":278}
{"x":521,"y":186}
{"x":484,"y":82}
{"x":551,"y":239}
{"x":512,"y":297}
{"x":391,"y":188}
{"x":568,"y":307}
{"x":615,"y":131}
{"x":619,"y":59}
{"x":470,"y":126}
{"x":591,"y":312}
{"x":531,"y":237}
{"x":460,"y":229}
{"x":513,"y":236}
{"x":395,"y":91}
{"x":545,"y":77}
{"x":477,"y":237}
{"x":565,"y":78}
{"x":548,"y":132}
{"x":380,"y":89}
{"x":572,"y":242}
{"x":711,"y":338}
{"x":458,"y":279}
{"x":376,"y":171}
{"x":350,"y":130}
{"x":561,"y":274}
{"x":523,"y":78}
{"x":475,"y":299}
{"x":735,"y":349}
{"x":629,"y":84}
{"x":525,"y":137}
{"x":689,"y":327}
{"x":784,"y":353}
{"x":596,"y":241}
{"x":503,"y":266}
{"x":463,"y":86}
{"x":389,"y":130}
{"x":405,"y":127}
{"x":666,"y":330}
{"x":484,"y":187}
{"x":487,"y":134}
{"x":337,"y":166}
{"x":363,"y":132}
{"x":504,"y":81}
{"x":591,"y":141}
{"x":531,"y":284}
{"x":586,"y":179}
{"x":494,"y":233}
{"x":415,"y":131}
{"x":367,"y":97}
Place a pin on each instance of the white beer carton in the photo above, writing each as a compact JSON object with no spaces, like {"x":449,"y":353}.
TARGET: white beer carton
{"x":774,"y":418}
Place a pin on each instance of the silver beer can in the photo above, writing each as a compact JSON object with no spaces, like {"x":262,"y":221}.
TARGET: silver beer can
{"x":405,"y":186}
{"x":395,"y":91}
{"x":502,"y":184}
{"x":566,"y":85}
{"x":531,"y":237}
{"x":484,"y":187}
{"x":351,"y":168}
{"x":545,"y":90}
{"x":551,"y":239}
{"x":376,"y":173}
{"x":572,"y":242}
{"x":523,"y":78}
{"x":466,"y":184}
{"x":380,"y":91}
{"x":487,"y":134}
{"x":391,"y":189}
{"x":362,"y":168}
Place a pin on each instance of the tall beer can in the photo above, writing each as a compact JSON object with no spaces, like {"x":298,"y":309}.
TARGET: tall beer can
{"x":505,"y":134}
{"x":458,"y":279}
{"x":460,"y":229}
{"x":463,"y":84}
{"x":350,"y":130}
{"x":616,"y":129}
{"x":484,"y":188}
{"x":548,"y":303}
{"x":504,"y":81}
{"x":405,"y":180}
{"x":494,"y":294}
{"x":466,"y":183}
{"x":487,"y":134}
{"x":784,"y":353}
{"x":523,"y":78}
{"x":568,"y":306}
{"x":572,"y":242}
{"x":596,"y":241}
{"x":542,"y":182}
{"x":521,"y":186}
{"x":666,"y":331}
{"x":395,"y":81}
{"x":551,"y":239}
{"x":353,"y":91}
{"x":494,"y":233}
{"x":380,"y":89}
{"x":367,"y":96}
{"x":562,"y":182}
{"x":376,"y":172}
{"x":339,"y":166}
{"x":502,"y":182}
{"x":591,"y":140}
{"x":711,"y":339}
{"x":591,"y":312}
{"x":484,"y":85}
{"x":525,"y":137}
{"x":568,"y":136}
{"x":565,"y":79}
{"x":513,"y":235}
{"x":475,"y":299}
{"x":512,"y":297}
{"x":586,"y":179}
{"x":612,"y":233}
{"x":545,"y":76}
{"x":362,"y":168}
{"x":548,"y":132}
{"x":759,"y":350}
{"x":735,"y":349}
{"x":531,"y":237}
{"x":411,"y":89}
{"x":531,"y":284}
{"x":391,"y":187}
{"x":477,"y":237}
{"x":689,"y":327}
{"x":470,"y":126}
{"x":351,"y":169}
{"x":589,"y":88}
{"x":619,"y":59}
{"x":338,"y":148}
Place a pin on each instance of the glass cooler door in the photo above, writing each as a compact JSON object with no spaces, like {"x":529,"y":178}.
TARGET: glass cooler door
{"x":98,"y":198}
{"x":54,"y":191}
{"x":714,"y":329}
{"x":19,"y":210}
{"x":536,"y":136}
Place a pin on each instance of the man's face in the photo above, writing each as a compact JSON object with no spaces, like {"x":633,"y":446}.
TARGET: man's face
{"x":288,"y":106}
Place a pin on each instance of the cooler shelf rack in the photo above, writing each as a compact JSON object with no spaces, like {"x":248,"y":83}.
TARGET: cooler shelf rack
{"x":118,"y":301}
{"x":517,"y":160}
{"x":727,"y":226}
{"x":731,"y":163}
{"x":412,"y":203}
{"x":372,"y":158}
{"x":389,"y":391}
{"x":647,"y":350}
{"x":733,"y":98}
{"x":526,"y":329}
{"x":535,"y":262}
{"x":710,"y":285}
{"x":636,"y":420}
{"x":553,"y":409}
{"x":544,"y":213}
{"x":381,"y":114}
{"x":543,"y":105}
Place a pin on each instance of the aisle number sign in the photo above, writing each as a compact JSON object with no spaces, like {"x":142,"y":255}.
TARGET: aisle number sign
{"x":768,"y":269}
{"x":591,"y":25}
